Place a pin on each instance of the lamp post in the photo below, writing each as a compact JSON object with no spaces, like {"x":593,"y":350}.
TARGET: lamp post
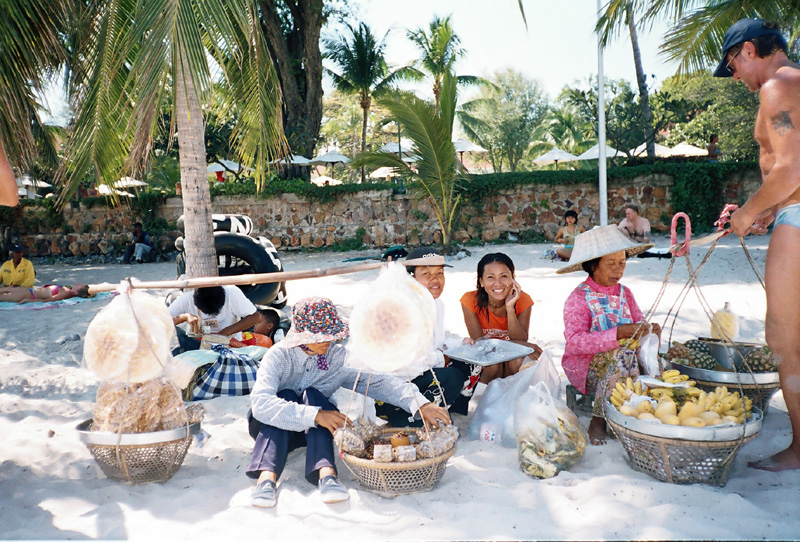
{"x":601,"y":128}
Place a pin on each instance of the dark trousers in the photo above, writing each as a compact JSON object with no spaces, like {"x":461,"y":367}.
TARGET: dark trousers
{"x":451,"y":381}
{"x":273,"y":445}
{"x":185,"y":343}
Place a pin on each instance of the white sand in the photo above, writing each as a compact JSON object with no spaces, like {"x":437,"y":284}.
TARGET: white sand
{"x":51,"y":488}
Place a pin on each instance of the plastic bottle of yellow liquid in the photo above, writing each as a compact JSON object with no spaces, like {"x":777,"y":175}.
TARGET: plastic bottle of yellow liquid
{"x":725,"y":324}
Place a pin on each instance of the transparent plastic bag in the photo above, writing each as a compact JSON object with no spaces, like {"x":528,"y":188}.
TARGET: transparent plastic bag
{"x":648,"y":354}
{"x":548,"y":434}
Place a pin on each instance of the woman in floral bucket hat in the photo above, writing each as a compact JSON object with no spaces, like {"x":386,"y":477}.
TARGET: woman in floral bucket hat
{"x":601,"y":319}
{"x":291,"y":407}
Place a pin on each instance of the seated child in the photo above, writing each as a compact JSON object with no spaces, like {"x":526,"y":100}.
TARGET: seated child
{"x":263,"y":331}
{"x":290,"y":405}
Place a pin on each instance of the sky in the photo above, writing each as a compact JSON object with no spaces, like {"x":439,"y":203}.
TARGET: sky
{"x":558,"y":48}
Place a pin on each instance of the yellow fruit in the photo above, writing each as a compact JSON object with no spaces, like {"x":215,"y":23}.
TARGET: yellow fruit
{"x":670,"y":373}
{"x":730,"y":419}
{"x":647,"y":416}
{"x":693,"y":421}
{"x":645,"y":406}
{"x":688,"y":410}
{"x":629,"y":383}
{"x":671,"y":420}
{"x":666,"y":408}
{"x":710,"y":417}
{"x":628,"y":410}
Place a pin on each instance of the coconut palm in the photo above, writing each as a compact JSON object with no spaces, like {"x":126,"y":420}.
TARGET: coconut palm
{"x":132,"y":57}
{"x":695,"y":40}
{"x":362,"y":70}
{"x":439,"y":171}
{"x":439,"y":48}
{"x":619,"y":14}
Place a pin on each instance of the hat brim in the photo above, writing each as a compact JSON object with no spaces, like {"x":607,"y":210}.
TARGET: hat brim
{"x":306,"y":337}
{"x":629,"y":253}
{"x":722,"y":68}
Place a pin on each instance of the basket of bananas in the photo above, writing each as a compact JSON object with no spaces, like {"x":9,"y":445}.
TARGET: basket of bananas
{"x":678,"y":433}
{"x":749,"y":368}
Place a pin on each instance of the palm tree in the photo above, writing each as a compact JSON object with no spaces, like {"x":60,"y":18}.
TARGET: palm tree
{"x":362,"y":70}
{"x":695,"y":40}
{"x":619,"y":14}
{"x":440,"y":49}
{"x":438,"y":169}
{"x":131,"y":54}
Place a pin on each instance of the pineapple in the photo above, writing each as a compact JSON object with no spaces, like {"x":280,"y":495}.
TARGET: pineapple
{"x":699,"y":346}
{"x":760,"y":360}
{"x":682,"y":353}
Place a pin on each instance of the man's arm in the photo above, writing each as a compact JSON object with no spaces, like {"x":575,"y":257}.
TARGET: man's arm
{"x":8,"y":184}
{"x":780,"y":114}
{"x":244,"y":324}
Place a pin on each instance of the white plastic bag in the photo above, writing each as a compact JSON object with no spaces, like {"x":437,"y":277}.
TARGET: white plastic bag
{"x":494,"y":418}
{"x":648,"y":354}
{"x":548,"y":434}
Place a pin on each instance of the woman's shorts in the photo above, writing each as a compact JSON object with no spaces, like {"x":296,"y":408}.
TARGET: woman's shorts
{"x":789,"y":215}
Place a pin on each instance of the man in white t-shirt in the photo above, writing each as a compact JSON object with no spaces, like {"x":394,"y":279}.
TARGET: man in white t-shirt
{"x":223,"y":310}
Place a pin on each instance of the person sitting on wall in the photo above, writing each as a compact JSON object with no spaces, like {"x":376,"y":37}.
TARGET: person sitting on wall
{"x":222,"y":310}
{"x":139,"y":247}
{"x":17,"y":271}
{"x":635,"y":227}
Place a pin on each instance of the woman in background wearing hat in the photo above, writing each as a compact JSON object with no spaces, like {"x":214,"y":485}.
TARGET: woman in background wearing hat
{"x":290,"y":405}
{"x":601,"y":317}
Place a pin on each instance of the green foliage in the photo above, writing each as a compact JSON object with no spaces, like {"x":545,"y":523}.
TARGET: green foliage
{"x":353,"y":243}
{"x":299,"y":187}
{"x":145,"y":209}
{"x":531,"y":236}
{"x":419,"y":215}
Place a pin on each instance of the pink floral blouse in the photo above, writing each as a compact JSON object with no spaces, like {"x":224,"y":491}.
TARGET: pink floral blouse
{"x":582,"y":343}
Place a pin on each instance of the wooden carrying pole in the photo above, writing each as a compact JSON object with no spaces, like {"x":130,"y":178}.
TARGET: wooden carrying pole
{"x":259,"y":278}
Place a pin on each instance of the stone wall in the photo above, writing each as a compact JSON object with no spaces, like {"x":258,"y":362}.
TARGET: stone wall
{"x":388,"y":219}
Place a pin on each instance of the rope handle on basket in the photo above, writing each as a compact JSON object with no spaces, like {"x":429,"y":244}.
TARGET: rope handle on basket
{"x":683,"y":249}
{"x":724,"y":217}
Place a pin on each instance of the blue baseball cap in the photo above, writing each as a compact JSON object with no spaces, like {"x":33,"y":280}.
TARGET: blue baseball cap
{"x":741,"y":31}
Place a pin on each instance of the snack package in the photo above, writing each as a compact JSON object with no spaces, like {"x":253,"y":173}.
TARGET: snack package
{"x":436,"y":442}
{"x":549,"y":436}
{"x":154,"y":405}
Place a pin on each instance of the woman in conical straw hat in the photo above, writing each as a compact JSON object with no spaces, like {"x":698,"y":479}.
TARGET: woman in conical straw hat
{"x":601,"y":318}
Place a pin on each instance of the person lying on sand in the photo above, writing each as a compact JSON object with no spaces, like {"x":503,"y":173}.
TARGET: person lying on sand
{"x":42,"y":294}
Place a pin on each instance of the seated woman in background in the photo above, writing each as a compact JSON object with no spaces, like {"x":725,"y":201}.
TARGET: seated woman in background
{"x":498,"y":309}
{"x":567,"y":235}
{"x":42,"y":294}
{"x":601,"y":318}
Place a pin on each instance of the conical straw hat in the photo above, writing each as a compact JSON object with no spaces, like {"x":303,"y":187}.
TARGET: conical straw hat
{"x":599,"y":242}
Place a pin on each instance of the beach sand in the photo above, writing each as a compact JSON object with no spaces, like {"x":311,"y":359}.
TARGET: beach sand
{"x":51,"y":487}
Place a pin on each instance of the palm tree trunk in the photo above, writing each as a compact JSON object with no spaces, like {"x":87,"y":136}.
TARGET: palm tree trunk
{"x":644,"y":98}
{"x":199,"y":234}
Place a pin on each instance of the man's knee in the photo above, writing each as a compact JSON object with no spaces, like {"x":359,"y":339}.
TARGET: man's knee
{"x":289,"y":395}
{"x":314,"y":397}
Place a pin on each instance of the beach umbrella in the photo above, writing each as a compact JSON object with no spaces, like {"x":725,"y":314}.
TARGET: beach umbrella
{"x":105,"y":190}
{"x":462,"y":145}
{"x":405,"y":147}
{"x":685,"y":149}
{"x":330,"y":158}
{"x":383,"y":172}
{"x":128,"y":182}
{"x":554,"y":156}
{"x":661,"y":150}
{"x":594,"y":153}
{"x":324,"y":180}
{"x":295,"y":159}
{"x":220,"y":165}
{"x":28,"y":180}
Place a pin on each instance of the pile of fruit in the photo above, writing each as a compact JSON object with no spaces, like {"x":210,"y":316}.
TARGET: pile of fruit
{"x":687,"y":406}
{"x":760,"y":360}
{"x":693,"y":353}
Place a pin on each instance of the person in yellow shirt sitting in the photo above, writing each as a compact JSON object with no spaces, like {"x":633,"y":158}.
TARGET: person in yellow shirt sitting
{"x":17,"y":271}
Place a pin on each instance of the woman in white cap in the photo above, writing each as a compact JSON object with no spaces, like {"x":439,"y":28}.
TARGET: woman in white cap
{"x":601,"y":317}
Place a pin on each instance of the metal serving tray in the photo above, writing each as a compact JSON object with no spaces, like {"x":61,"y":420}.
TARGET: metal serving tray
{"x":489,"y":352}
{"x":709,"y":433}
{"x":725,"y":377}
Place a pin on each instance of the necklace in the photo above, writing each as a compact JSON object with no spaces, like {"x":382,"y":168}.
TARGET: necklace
{"x":497,"y":306}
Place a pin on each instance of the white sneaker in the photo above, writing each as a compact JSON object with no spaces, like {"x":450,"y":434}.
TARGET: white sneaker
{"x":331,"y":490}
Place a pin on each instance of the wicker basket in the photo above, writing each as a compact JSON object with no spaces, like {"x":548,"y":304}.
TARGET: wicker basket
{"x":397,"y":478}
{"x":681,"y":460}
{"x":138,"y":458}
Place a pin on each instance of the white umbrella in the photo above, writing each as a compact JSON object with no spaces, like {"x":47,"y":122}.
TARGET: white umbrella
{"x":554,"y":156}
{"x":230,"y":164}
{"x":411,"y":159}
{"x":594,"y":153}
{"x":406,"y":147}
{"x":28,"y":180}
{"x":685,"y":149}
{"x":324,"y":180}
{"x":104,"y":190}
{"x":462,"y":146}
{"x":330,"y":158}
{"x":295,"y":159}
{"x":128,"y":182}
{"x":383,"y":172}
{"x":661,"y":150}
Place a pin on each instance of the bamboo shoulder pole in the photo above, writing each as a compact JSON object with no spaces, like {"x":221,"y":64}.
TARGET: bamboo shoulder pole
{"x":259,"y":278}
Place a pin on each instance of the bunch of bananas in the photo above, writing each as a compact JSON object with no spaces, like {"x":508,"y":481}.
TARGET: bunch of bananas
{"x":687,"y":406}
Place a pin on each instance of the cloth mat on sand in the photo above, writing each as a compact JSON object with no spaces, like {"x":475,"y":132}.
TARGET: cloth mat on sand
{"x":7,"y":306}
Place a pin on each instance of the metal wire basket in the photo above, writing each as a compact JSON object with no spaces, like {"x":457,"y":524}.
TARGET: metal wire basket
{"x":705,"y":457}
{"x":138,"y":458}
{"x":397,"y":478}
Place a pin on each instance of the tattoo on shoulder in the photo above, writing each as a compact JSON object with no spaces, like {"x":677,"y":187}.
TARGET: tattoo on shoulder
{"x":782,"y":123}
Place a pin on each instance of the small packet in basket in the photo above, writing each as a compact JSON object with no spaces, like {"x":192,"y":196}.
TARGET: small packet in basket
{"x":436,"y":442}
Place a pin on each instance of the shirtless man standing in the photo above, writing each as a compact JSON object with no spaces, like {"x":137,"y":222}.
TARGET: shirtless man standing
{"x":635,"y":227}
{"x":754,"y":52}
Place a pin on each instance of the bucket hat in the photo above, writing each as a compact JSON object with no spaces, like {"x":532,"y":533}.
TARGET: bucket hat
{"x":741,"y":31}
{"x":599,"y":242}
{"x":315,"y":320}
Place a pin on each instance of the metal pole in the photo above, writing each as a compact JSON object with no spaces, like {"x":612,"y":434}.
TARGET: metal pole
{"x":601,"y":129}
